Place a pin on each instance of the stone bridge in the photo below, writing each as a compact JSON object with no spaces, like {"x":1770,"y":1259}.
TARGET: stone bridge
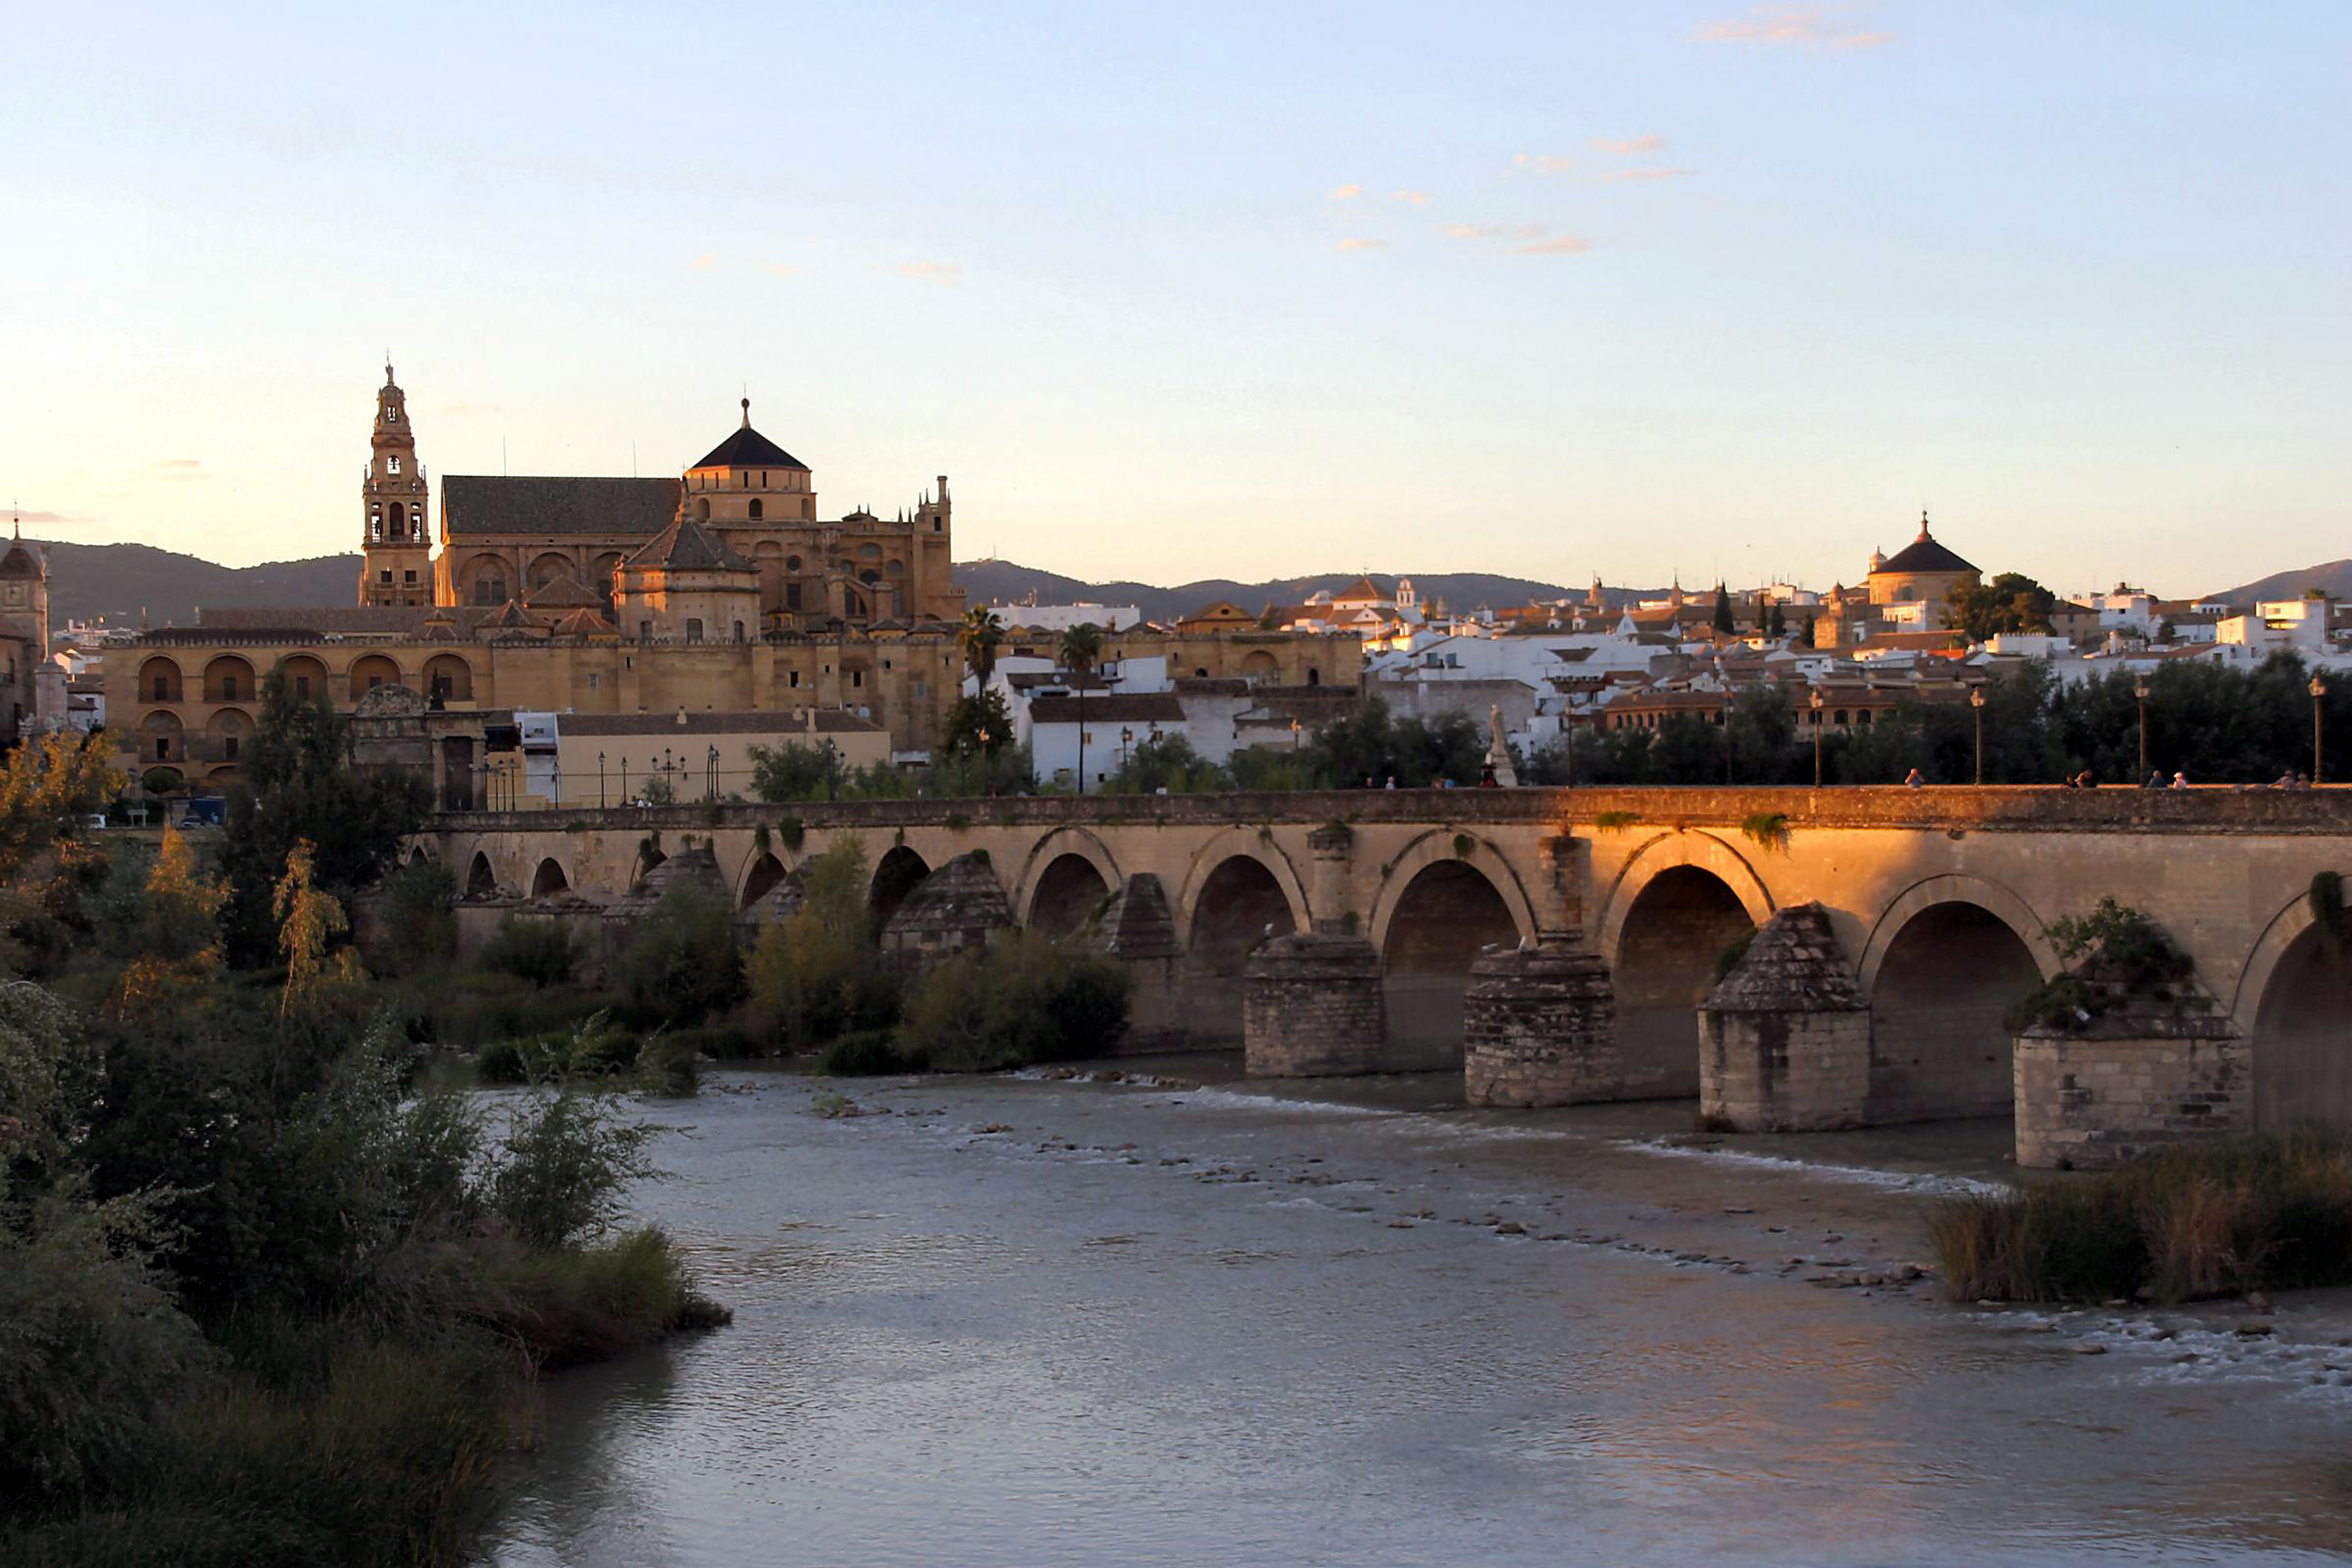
{"x":1934,"y":902}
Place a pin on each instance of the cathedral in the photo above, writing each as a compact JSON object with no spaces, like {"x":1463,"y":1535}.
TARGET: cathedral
{"x":718,"y":601}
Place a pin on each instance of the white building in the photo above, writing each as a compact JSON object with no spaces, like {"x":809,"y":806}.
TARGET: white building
{"x":1062,"y":617}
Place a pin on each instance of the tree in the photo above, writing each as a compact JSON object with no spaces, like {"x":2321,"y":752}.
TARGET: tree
{"x":682,"y":963}
{"x":980,"y":636}
{"x":1776,"y":623}
{"x":309,"y":919}
{"x":1081,"y":650}
{"x":2012,"y":602}
{"x":793,"y":771}
{"x":1723,"y":621}
{"x":981,"y":723}
{"x":176,"y":936}
{"x":1169,"y":762}
{"x":301,"y":784}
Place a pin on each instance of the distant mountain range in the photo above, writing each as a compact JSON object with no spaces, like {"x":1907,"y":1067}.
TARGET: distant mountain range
{"x":123,"y":581}
{"x":2333,"y":578}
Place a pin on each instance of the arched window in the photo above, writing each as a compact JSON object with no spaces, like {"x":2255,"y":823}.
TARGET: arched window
{"x":739,"y":631}
{"x":1314,"y":676}
{"x":755,"y":509}
{"x":703,"y":508}
{"x":399,"y":519}
{"x":392,"y":463}
{"x":693,"y":629}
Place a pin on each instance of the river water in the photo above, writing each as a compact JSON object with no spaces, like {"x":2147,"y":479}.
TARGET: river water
{"x":1028,"y":1321}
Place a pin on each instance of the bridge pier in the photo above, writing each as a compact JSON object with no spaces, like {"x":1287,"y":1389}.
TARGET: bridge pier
{"x":1538,"y":1027}
{"x":1312,"y":1004}
{"x":1136,"y":931}
{"x":1784,"y":1038}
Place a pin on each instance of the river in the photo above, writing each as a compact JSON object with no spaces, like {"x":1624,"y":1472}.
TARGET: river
{"x":1027,"y":1321}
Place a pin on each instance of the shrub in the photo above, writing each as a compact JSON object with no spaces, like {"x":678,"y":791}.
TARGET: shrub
{"x":682,"y":963}
{"x":1025,"y":1000}
{"x":2272,"y":1211}
{"x":2131,"y":955}
{"x":868,"y":1053}
{"x":566,"y":1164}
{"x":543,"y":952}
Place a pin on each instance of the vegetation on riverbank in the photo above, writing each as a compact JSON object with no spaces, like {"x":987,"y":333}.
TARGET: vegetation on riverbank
{"x":2259,"y":1213}
{"x":268,"y":1295}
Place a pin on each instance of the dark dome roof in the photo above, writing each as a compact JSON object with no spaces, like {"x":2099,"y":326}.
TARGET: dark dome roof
{"x":1924,"y":554}
{"x":747,"y":449}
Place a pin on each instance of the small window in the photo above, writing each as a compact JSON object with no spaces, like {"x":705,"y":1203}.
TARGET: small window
{"x":693,"y":629}
{"x":374,"y":682}
{"x":792,"y":562}
{"x":794,"y":681}
{"x":594,"y":680}
{"x":162,"y":748}
{"x":644,"y":631}
{"x":163,"y":689}
{"x":391,"y":464}
{"x":739,"y":631}
{"x":303,"y":686}
{"x":228,"y":748}
{"x":792,"y":596}
{"x":409,"y":575}
{"x":229,"y":688}
{"x":755,"y":509}
{"x":857,"y":677}
{"x":386,"y":576}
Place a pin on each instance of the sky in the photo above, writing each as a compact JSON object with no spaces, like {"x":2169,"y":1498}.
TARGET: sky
{"x":1644,"y":290}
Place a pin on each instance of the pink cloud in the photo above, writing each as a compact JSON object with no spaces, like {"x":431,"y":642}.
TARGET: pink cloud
{"x":1565,"y":245}
{"x":945,"y":272}
{"x":1804,"y":26}
{"x":1361,"y":244}
{"x":1347,"y":193}
{"x":1628,"y":145}
{"x":1544,"y":163}
{"x":1417,"y":198}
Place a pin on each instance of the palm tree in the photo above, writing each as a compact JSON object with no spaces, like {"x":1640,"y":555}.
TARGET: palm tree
{"x":1081,"y":646}
{"x":980,"y":636}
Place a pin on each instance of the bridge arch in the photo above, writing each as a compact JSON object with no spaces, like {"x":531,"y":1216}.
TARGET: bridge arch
{"x":1682,"y":900}
{"x":895,"y":876}
{"x":548,"y":878}
{"x":481,"y":876}
{"x":1067,"y":874}
{"x":1442,"y":845}
{"x":1210,"y":861}
{"x":1942,"y":968}
{"x":761,"y":873}
{"x":649,"y":854}
{"x":1433,"y":921}
{"x":2292,"y":1000}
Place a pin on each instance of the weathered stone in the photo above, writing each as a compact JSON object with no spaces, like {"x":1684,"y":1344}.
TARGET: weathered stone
{"x":1539,"y":1028}
{"x":1784,"y":1039}
{"x":1136,"y":928}
{"x":959,"y":908}
{"x":1311,"y":1006}
{"x":2146,"y":1071}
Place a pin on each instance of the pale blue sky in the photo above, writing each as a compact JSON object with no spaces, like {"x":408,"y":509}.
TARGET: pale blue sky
{"x":2073,"y":276}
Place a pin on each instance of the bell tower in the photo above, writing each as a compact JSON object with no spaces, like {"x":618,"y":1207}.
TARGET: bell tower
{"x":396,"y":552}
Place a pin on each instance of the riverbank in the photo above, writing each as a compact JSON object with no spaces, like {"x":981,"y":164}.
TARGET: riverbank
{"x":1035,"y":1320}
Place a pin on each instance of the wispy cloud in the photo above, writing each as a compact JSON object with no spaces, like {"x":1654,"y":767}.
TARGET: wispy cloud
{"x":1544,"y":163}
{"x":1417,"y":198}
{"x":784,"y":269}
{"x":1648,"y":174}
{"x":1360,"y":244}
{"x":943,"y":272}
{"x":1629,"y":146}
{"x":1492,"y":231}
{"x":1347,"y":193}
{"x":1803,"y":25}
{"x":704,"y":262}
{"x":1562,"y":245}
{"x":47,"y":519}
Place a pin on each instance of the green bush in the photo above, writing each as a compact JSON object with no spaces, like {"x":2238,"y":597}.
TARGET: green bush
{"x":2188,"y":1223}
{"x":419,"y":916}
{"x":817,"y":975}
{"x":568,"y":1161}
{"x":543,"y":952}
{"x":682,"y":963}
{"x":868,"y":1053}
{"x":1025,"y":999}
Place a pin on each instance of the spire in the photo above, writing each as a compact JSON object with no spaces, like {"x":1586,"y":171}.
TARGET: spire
{"x":387,"y":367}
{"x":1922,"y":525}
{"x":747,"y":413}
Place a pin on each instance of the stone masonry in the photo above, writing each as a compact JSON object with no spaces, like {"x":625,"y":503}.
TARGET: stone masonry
{"x":1311,"y":1007}
{"x":1784,"y":1039}
{"x":1539,"y":1029}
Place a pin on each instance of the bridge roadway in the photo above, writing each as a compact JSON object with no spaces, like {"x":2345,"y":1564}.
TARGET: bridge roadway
{"x":1938,"y":898}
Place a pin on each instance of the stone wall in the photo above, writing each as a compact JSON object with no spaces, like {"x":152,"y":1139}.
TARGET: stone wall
{"x":2092,"y":1103}
{"x":1539,"y":1029}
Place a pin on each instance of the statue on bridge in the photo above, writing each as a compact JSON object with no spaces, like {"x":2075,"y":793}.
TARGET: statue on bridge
{"x":1498,"y":768}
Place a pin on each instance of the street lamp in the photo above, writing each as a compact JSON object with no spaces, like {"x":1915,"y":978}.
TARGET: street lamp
{"x":710,"y":768}
{"x":1126,"y":739}
{"x":1814,"y":702}
{"x":600,"y":781}
{"x":1294,"y":734}
{"x":2318,"y":690}
{"x":2139,"y":690}
{"x":1976,"y":700}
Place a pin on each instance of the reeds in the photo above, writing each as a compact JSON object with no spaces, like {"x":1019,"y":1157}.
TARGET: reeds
{"x":2273,"y":1211}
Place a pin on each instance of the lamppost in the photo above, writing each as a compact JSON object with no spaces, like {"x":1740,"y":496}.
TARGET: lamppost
{"x":987,"y":774}
{"x":1294,"y":728}
{"x":2318,"y":690}
{"x":1126,"y":739}
{"x":1814,"y":702}
{"x":600,"y":781}
{"x":711,"y":774}
{"x":2139,"y":690}
{"x":1976,"y":700}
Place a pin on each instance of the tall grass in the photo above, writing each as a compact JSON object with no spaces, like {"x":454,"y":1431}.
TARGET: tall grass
{"x":2269,"y":1212}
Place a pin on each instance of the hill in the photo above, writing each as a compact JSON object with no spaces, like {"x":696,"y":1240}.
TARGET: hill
{"x":2331,"y":577}
{"x":1004,"y":583}
{"x":120,"y":581}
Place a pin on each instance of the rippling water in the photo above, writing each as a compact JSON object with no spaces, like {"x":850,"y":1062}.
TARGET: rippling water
{"x":1160,"y":1325}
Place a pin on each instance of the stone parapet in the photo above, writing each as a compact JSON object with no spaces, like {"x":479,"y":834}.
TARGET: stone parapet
{"x":1538,"y":1027}
{"x":1311,"y":1007}
{"x":2090,"y":1103}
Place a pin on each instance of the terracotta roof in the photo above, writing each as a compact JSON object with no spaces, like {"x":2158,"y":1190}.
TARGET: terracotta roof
{"x":1361,"y":588}
{"x":585,"y":623}
{"x":687,"y":546}
{"x":473,"y":504}
{"x":769,"y":722}
{"x":566,"y":592}
{"x":747,"y":449}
